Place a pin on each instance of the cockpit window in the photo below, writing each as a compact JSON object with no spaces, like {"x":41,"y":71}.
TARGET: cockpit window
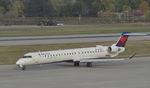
{"x":27,"y":57}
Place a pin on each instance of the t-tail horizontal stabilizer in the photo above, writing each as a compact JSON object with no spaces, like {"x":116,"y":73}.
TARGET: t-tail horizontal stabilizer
{"x":124,"y":37}
{"x":134,"y":34}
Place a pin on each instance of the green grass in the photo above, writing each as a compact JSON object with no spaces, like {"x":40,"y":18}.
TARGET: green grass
{"x":10,"y":54}
{"x":73,"y":30}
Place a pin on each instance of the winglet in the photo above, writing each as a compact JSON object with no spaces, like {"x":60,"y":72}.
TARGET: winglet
{"x":133,"y":55}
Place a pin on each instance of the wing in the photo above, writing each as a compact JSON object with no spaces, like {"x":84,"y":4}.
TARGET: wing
{"x":98,"y":60}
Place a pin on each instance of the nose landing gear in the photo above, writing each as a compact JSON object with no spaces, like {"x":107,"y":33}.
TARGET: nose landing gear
{"x":22,"y":67}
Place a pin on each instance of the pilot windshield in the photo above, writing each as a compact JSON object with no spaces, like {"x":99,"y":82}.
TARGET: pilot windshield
{"x":27,"y":57}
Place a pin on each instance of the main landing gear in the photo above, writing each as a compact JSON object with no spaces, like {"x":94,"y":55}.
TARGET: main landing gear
{"x":77,"y":64}
{"x":22,"y":67}
{"x":89,"y":64}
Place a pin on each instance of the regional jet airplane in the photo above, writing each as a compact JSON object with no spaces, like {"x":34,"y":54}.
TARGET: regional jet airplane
{"x":78,"y":55}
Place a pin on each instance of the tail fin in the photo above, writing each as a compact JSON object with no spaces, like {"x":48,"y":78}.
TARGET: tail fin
{"x":123,"y":39}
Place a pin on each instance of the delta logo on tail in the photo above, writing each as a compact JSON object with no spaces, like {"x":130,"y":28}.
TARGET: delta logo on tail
{"x":123,"y":39}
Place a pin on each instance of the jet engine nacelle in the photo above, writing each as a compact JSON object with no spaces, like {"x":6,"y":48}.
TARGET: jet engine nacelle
{"x":113,"y":49}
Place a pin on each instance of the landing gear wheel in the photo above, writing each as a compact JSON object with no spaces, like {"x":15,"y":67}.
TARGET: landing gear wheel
{"x":22,"y":67}
{"x":89,"y":64}
{"x":77,"y":63}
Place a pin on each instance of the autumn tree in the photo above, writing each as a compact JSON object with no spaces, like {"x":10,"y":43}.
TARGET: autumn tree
{"x":18,"y":6}
{"x":64,"y":7}
{"x":5,"y":5}
{"x":147,"y":14}
{"x":39,"y":8}
{"x":144,"y":6}
{"x":126,"y":8}
{"x":60,"y":8}
{"x":108,"y":4}
{"x":1,"y":11}
{"x":120,"y":5}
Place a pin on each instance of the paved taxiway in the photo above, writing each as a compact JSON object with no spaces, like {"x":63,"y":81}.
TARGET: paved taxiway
{"x":4,"y":41}
{"x":133,"y":73}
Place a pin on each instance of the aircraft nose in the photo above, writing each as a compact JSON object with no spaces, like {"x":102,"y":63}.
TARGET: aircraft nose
{"x":18,"y":62}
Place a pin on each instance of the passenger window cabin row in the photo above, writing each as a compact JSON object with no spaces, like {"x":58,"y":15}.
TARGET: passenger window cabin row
{"x":72,"y":53}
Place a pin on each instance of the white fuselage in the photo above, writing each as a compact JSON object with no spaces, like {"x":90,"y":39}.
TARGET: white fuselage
{"x":79,"y":55}
{"x":64,"y":55}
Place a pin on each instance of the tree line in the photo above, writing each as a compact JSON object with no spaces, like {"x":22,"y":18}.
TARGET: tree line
{"x":69,"y":8}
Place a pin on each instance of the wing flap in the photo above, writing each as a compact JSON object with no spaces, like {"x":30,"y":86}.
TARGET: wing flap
{"x":99,"y":60}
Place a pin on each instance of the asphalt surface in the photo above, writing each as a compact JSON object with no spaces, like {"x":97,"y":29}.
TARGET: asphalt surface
{"x":133,"y":73}
{"x":6,"y":41}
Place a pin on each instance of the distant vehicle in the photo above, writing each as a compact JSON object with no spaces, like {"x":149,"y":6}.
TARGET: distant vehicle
{"x":50,"y":23}
{"x":79,"y":55}
{"x":60,"y":24}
